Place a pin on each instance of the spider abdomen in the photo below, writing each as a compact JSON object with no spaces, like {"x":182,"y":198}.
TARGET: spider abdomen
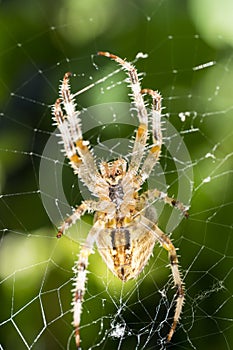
{"x":126,"y":250}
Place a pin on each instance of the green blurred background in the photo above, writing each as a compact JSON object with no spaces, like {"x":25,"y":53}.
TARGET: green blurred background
{"x":39,"y":42}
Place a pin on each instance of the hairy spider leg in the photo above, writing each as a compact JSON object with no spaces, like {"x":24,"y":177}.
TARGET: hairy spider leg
{"x":151,"y":194}
{"x":80,"y":211}
{"x":80,"y":278}
{"x":154,"y":152}
{"x":167,"y":244}
{"x":87,"y":206}
{"x":76,"y":149}
{"x":142,"y":131}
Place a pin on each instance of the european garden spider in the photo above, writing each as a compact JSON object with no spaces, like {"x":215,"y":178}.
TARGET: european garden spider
{"x":124,"y":221}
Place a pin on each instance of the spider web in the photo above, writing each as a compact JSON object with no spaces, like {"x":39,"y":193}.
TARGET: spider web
{"x":189,"y":59}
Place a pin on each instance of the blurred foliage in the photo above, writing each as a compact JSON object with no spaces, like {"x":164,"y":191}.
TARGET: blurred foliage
{"x":41,"y":40}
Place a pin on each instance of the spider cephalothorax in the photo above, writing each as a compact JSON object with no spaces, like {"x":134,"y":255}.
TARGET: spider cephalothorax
{"x":125,"y":225}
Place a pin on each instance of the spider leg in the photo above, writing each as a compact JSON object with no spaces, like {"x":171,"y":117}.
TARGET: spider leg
{"x":80,"y":210}
{"x":86,"y":206}
{"x":141,"y":135}
{"x":167,"y":244}
{"x":76,"y":149}
{"x":154,"y":153}
{"x":80,"y":279}
{"x":151,"y":194}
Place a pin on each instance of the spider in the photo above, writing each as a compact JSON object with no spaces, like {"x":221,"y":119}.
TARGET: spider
{"x":124,"y":220}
